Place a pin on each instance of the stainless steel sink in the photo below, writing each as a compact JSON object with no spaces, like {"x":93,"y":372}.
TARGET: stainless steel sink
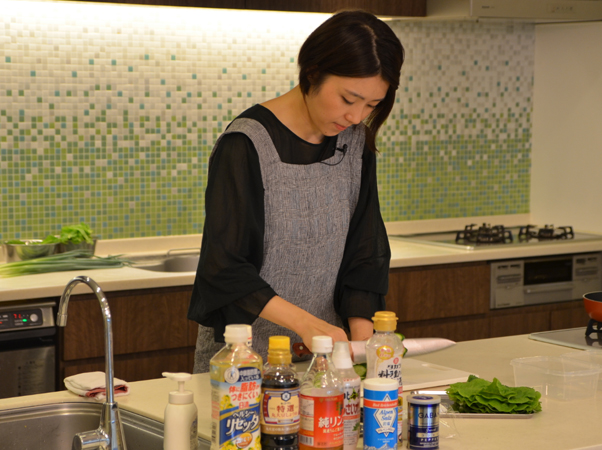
{"x":178,"y":260}
{"x":54,"y":426}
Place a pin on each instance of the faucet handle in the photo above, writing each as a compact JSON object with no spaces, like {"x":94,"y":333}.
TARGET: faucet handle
{"x":91,"y":439}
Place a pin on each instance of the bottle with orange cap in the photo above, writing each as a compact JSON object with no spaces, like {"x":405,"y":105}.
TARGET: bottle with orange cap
{"x":280,"y":402}
{"x":384,"y":351}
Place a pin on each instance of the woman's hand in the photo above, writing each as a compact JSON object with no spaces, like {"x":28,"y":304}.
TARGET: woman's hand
{"x":318,"y":327}
{"x":306,"y":325}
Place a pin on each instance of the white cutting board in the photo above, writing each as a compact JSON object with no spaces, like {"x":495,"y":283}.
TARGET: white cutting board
{"x":418,"y":374}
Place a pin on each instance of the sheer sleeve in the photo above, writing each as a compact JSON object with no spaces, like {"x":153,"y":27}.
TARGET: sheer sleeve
{"x":364,"y":275}
{"x":228,"y":288}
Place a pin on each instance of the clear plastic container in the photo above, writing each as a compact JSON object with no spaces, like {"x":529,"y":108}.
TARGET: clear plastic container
{"x":557,"y":377}
{"x":588,"y":356}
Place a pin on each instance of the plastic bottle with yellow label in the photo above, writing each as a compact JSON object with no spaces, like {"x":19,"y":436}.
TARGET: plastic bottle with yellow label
{"x":235,"y":373}
{"x":384,"y":351}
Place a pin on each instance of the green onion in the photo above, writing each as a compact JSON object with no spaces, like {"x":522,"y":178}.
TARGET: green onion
{"x":73,"y":260}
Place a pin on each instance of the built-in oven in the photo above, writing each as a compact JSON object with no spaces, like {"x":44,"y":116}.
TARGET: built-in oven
{"x":27,"y":348}
{"x":532,"y":281}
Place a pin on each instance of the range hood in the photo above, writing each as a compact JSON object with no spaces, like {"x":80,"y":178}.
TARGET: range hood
{"x":540,"y":11}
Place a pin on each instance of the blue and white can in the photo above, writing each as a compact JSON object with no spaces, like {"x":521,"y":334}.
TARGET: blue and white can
{"x":423,"y":421}
{"x":380,"y":413}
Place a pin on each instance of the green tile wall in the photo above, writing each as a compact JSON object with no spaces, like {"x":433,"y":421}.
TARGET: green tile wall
{"x":108,"y":113}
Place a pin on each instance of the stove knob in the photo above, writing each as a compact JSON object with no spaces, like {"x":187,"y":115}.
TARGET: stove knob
{"x":34,"y":318}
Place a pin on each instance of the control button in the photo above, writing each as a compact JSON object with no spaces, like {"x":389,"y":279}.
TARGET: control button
{"x":34,"y":317}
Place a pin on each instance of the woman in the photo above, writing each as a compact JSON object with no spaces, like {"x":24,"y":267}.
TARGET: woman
{"x":294,"y":242}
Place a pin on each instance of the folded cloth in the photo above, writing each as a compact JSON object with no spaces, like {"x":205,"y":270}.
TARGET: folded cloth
{"x":92,"y":384}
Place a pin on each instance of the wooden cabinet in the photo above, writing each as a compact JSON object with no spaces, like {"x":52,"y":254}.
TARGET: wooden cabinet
{"x":452,"y":301}
{"x":405,"y":8}
{"x":434,"y":292}
{"x":151,"y":334}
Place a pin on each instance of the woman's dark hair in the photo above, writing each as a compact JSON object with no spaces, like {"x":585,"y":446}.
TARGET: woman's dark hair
{"x":353,"y":44}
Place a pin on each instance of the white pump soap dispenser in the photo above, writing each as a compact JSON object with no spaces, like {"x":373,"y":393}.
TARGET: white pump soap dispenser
{"x":181,"y":416}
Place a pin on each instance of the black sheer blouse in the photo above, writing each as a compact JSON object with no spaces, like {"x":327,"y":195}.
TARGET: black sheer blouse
{"x":228,"y":288}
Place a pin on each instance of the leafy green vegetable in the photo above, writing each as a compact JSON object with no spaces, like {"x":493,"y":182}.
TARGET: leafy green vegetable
{"x":76,"y":234}
{"x":481,"y":396}
{"x":50,"y":239}
{"x":73,"y":260}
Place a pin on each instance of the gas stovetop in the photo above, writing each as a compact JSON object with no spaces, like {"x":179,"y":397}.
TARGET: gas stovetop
{"x":474,"y":237}
{"x":571,"y":337}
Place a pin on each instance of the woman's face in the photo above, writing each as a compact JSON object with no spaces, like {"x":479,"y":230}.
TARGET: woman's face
{"x":341,"y":101}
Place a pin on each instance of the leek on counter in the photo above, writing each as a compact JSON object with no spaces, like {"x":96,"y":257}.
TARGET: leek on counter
{"x":73,"y":260}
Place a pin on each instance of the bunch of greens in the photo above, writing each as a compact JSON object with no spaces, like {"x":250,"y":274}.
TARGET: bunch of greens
{"x":481,"y":396}
{"x":74,"y":234}
{"x":73,"y":260}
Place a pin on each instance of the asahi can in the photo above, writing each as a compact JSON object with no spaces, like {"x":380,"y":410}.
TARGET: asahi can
{"x":423,"y":421}
{"x":380,"y":413}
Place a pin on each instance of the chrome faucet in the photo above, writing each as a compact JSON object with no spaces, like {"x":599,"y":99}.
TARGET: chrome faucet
{"x":109,"y":434}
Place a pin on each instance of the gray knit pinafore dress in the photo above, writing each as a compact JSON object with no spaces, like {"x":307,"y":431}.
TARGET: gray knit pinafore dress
{"x":307,"y":213}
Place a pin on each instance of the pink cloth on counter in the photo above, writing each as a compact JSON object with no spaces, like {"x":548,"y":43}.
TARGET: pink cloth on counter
{"x":92,"y":385}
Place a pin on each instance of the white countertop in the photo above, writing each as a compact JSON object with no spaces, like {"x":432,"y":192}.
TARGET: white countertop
{"x":562,"y":425}
{"x":403,"y":254}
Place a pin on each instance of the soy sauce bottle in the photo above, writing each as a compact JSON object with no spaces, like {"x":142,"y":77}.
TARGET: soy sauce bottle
{"x":280,"y":398}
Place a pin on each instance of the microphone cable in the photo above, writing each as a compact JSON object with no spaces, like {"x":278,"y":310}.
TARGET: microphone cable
{"x":342,"y":150}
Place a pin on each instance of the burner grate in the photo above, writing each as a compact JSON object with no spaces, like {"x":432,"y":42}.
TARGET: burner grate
{"x":593,"y":326}
{"x":548,"y":232}
{"x":485,"y":234}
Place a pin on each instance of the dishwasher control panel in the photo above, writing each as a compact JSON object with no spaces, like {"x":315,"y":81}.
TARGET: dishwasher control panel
{"x":25,"y":317}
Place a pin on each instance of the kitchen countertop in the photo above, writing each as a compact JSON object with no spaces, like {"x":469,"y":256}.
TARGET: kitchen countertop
{"x":562,"y":425}
{"x":403,"y":254}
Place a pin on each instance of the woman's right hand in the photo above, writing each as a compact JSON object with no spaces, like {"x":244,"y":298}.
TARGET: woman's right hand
{"x":319,"y":327}
{"x":306,"y":325}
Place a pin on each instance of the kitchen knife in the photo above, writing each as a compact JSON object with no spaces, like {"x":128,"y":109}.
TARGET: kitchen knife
{"x":415,"y":347}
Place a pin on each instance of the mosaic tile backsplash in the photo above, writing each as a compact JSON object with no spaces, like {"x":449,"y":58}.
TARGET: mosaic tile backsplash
{"x":108,"y":113}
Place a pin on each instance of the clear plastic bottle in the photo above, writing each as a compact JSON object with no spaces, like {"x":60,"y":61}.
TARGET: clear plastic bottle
{"x":235,"y":373}
{"x":351,"y":385}
{"x":322,"y":401}
{"x":280,"y":403}
{"x":384,"y":351}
